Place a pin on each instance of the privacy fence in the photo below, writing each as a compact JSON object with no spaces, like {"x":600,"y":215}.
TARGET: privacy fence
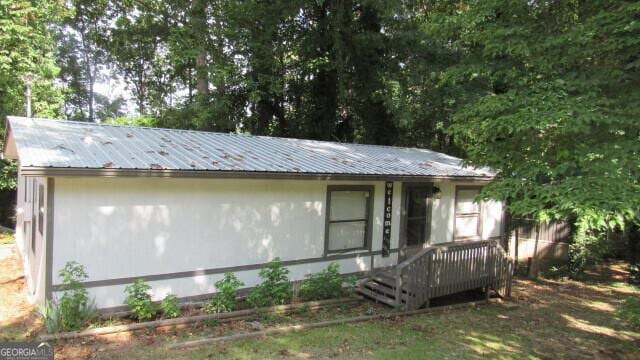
{"x":529,"y":240}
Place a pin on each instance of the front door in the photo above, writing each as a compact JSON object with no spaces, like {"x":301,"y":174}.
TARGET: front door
{"x":416,"y":220}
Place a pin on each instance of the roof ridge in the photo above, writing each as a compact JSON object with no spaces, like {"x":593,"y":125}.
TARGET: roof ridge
{"x":89,"y":124}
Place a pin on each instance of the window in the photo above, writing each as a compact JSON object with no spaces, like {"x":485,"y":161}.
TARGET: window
{"x":468,"y":219}
{"x":348,"y":217}
{"x":417,"y":214}
{"x":40,"y":208}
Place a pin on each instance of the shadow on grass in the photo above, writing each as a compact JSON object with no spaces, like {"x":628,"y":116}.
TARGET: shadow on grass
{"x":555,"y":319}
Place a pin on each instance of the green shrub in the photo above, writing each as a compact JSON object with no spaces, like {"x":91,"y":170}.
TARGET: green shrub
{"x":51,"y":317}
{"x":556,"y":273}
{"x":170,"y":306}
{"x":327,"y":284}
{"x":225,"y":299}
{"x":74,"y":308}
{"x":630,"y":312}
{"x":139,"y":300}
{"x":275,"y":288}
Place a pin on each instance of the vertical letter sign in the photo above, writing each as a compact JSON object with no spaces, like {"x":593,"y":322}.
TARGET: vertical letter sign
{"x":386,"y":228}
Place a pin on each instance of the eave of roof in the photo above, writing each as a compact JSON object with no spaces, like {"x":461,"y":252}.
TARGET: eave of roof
{"x":62,"y":148}
{"x":169,"y":173}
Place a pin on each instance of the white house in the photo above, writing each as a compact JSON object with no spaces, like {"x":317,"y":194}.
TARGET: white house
{"x":179,"y":208}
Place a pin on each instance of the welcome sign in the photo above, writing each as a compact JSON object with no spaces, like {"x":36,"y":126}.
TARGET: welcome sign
{"x":386,"y":228}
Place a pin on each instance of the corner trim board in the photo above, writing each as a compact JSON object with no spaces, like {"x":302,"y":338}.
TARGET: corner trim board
{"x":48,"y":268}
{"x":212,"y":271}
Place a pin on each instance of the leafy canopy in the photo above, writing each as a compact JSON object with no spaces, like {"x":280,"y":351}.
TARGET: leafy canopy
{"x":552,"y":102}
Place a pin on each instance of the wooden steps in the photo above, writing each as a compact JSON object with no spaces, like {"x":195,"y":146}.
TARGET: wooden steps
{"x":381,"y":287}
{"x":441,"y":270}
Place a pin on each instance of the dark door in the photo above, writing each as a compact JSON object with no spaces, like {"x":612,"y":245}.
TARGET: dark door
{"x":416,"y":219}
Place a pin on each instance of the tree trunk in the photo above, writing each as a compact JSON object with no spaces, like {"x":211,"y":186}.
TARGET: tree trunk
{"x":200,"y":32}
{"x":202,"y":85}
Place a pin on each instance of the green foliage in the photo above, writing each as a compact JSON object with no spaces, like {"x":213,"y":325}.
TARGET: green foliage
{"x":170,"y":306}
{"x":74,"y":308}
{"x":8,"y":175}
{"x":548,"y":97}
{"x":275,"y":288}
{"x":139,"y":300}
{"x":630,"y":312}
{"x":327,"y":284}
{"x":301,"y":310}
{"x":81,"y":60}
{"x":211,"y":322}
{"x":26,"y":48}
{"x":225,"y":298}
{"x":556,"y":273}
{"x":543,"y":92}
{"x":143,"y":120}
{"x":50,"y":314}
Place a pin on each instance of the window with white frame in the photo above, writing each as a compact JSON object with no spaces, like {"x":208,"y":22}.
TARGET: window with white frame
{"x":468,"y":219}
{"x":348,"y":218}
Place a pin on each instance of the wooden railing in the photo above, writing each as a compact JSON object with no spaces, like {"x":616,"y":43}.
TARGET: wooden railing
{"x":441,"y":270}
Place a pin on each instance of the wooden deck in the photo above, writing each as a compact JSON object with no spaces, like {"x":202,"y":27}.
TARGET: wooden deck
{"x":441,"y":270}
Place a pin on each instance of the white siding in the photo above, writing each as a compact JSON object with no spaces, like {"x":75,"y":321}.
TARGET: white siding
{"x":129,"y":227}
{"x":112,"y":296}
{"x":443,"y":215}
{"x":137,"y":227}
{"x":492,"y":219}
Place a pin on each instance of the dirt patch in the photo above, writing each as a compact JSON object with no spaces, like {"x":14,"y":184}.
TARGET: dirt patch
{"x":18,"y":318}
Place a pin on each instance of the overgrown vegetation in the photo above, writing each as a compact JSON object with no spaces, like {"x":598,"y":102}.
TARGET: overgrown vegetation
{"x":630,"y":312}
{"x":226,"y":293}
{"x":326,"y":284}
{"x":551,"y":101}
{"x":544,"y":92}
{"x":74,"y":308}
{"x":170,"y":306}
{"x":275,"y":288}
{"x":139,"y":300}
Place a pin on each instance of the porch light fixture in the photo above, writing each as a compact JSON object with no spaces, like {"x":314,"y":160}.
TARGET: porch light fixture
{"x":437,"y":193}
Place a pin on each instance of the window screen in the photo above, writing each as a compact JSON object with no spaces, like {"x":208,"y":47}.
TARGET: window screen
{"x":467,"y":213}
{"x":347,"y":218}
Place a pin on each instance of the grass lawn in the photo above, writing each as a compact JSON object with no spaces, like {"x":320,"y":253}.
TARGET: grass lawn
{"x":6,"y":238}
{"x":554,"y":319}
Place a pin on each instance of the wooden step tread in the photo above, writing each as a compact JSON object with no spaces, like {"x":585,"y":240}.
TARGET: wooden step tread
{"x":375,"y":286}
{"x":376,"y":296}
{"x":385,"y":280}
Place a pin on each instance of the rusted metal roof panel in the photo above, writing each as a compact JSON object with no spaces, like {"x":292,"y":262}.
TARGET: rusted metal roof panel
{"x":45,"y":143}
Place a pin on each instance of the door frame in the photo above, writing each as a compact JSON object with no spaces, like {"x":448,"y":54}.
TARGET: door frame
{"x":404,"y":203}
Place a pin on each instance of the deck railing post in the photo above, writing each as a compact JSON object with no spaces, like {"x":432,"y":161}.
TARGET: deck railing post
{"x":443,"y":270}
{"x":398,"y":292}
{"x":426,"y":287}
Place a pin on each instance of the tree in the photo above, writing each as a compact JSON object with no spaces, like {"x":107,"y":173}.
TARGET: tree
{"x":81,"y":57}
{"x":26,"y":47}
{"x":551,"y":101}
{"x":136,"y":46}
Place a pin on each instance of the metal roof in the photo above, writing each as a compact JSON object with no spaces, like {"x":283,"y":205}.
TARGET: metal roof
{"x":46,"y":143}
